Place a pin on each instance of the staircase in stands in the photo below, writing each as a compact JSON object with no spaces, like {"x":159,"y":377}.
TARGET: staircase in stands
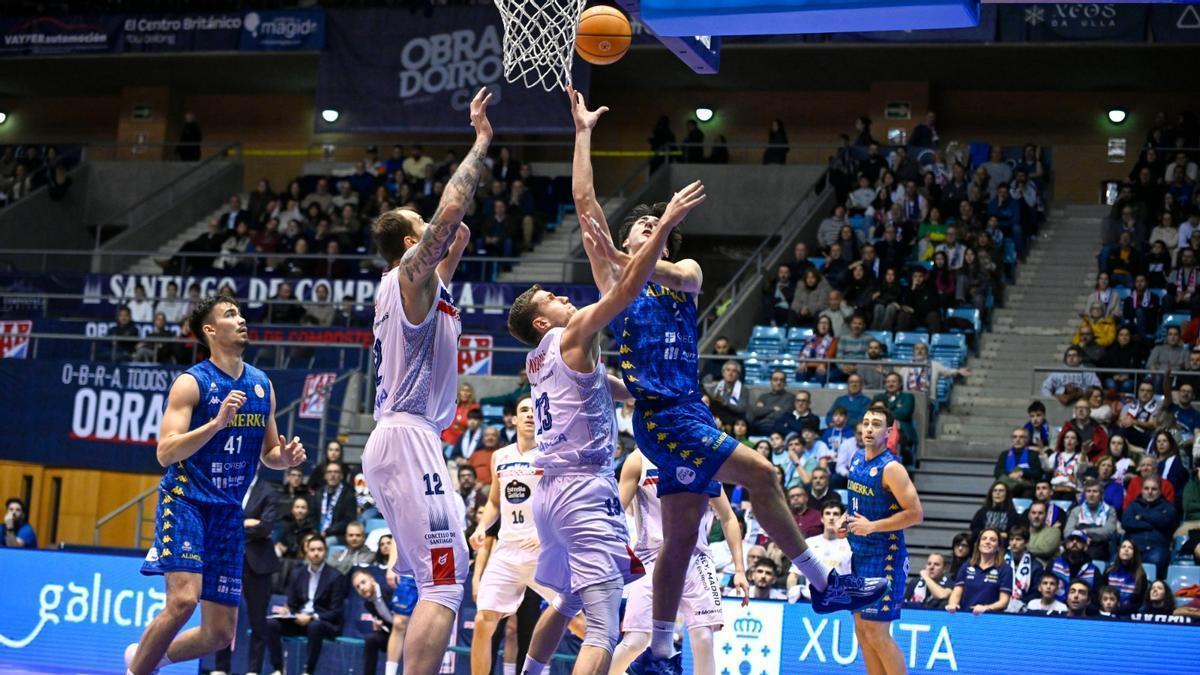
{"x":1034,"y":327}
{"x":149,"y":264}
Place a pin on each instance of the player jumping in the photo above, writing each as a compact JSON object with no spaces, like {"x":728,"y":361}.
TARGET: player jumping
{"x":702,"y":591}
{"x":585,"y":552}
{"x":511,"y":566}
{"x":219,"y":423}
{"x":416,"y":371}
{"x":672,"y":426}
{"x":883,"y":503}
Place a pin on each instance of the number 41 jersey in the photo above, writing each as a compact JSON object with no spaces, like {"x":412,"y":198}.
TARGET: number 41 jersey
{"x":221,"y":470}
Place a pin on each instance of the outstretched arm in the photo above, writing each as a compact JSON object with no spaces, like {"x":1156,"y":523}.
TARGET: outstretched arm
{"x":604,"y":270}
{"x":579,"y":338}
{"x":420,"y":261}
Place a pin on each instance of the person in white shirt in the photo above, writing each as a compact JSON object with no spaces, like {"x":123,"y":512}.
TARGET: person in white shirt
{"x":140,"y":308}
{"x":845,"y":453}
{"x":833,"y":550}
{"x":1046,"y":602}
{"x":762,"y":582}
{"x":171,"y":306}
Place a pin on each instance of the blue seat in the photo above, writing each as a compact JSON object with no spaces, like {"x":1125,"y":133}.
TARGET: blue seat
{"x":1160,"y":293}
{"x":1021,"y":503}
{"x":373,"y":524}
{"x":1122,"y":292}
{"x":818,"y":262}
{"x":845,"y":495}
{"x":1151,"y":571}
{"x":752,"y":368}
{"x":883,"y":336}
{"x":949,"y":349}
{"x":1182,"y":576}
{"x":1064,"y":504}
{"x":904,"y":342}
{"x":767,"y":339}
{"x":1178,"y":319}
{"x":797,"y":338}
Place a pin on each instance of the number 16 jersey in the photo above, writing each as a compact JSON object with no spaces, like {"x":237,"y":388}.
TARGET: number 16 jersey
{"x":516,"y":478}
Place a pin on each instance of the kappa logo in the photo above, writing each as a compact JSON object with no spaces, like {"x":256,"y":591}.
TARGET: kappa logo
{"x":684,"y":475}
{"x":214,"y":401}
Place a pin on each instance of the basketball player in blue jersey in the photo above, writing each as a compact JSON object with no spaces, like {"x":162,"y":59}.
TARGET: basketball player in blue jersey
{"x":672,"y":426}
{"x":883,"y":503}
{"x":218,"y":425}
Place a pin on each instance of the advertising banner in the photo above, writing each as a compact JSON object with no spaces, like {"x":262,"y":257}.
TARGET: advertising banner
{"x":76,"y":612}
{"x":1176,"y":24}
{"x":1073,"y":22}
{"x":475,"y":355}
{"x":284,"y":29}
{"x":315,"y":399}
{"x":13,"y":343}
{"x":394,"y":71}
{"x":985,"y":31}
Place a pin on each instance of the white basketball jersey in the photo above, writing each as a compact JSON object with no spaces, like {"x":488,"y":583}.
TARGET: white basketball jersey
{"x":516,"y":478}
{"x":416,"y":367}
{"x":576,"y":425}
{"x":647,"y":510}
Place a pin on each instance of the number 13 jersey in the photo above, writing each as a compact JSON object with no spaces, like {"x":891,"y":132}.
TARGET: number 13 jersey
{"x":576,"y":427}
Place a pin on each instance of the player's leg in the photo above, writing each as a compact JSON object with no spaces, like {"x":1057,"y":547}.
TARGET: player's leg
{"x":702,"y":612}
{"x":549,"y":632}
{"x":509,"y":667}
{"x":751,"y":470}
{"x":631,"y":646}
{"x":681,"y":514}
{"x":501,"y":590}
{"x":637,"y":623}
{"x":424,"y":648}
{"x":183,"y":594}
{"x":704,"y":661}
{"x":880,"y":652}
{"x":601,"y":611}
{"x":486,"y":621}
{"x":373,"y":644}
{"x":218,"y":622}
{"x":395,"y":645}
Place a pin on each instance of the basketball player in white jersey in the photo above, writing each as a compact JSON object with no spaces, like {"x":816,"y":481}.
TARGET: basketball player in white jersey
{"x":701,"y":601}
{"x":416,"y":372}
{"x":511,"y":566}
{"x":585,"y":554}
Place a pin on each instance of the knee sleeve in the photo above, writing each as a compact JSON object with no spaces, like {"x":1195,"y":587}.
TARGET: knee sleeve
{"x":636,"y":641}
{"x":601,"y":610}
{"x":446,"y":595}
{"x":567,"y":604}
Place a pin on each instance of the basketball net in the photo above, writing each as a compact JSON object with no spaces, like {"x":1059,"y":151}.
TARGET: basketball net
{"x":539,"y":41}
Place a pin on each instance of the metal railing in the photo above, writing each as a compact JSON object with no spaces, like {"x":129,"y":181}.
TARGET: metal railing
{"x":1038,"y":375}
{"x":138,"y":502}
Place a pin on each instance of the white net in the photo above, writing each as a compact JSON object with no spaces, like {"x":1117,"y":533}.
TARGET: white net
{"x":539,"y":41}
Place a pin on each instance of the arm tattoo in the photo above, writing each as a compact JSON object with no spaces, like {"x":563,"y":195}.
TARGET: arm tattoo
{"x":421,"y":260}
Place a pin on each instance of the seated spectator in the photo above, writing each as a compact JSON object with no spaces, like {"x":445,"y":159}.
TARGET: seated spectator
{"x":997,"y":513}
{"x":315,"y":595}
{"x":810,"y":297}
{"x":763,"y":579}
{"x":1125,"y":353}
{"x":1047,"y":601}
{"x":125,"y":335}
{"x":1147,"y":466}
{"x":294,"y":486}
{"x":156,"y":352}
{"x":902,"y":405}
{"x":283,"y":309}
{"x":1113,"y":489}
{"x":469,"y":489}
{"x":985,"y":583}
{"x":823,"y":344}
{"x":389,"y":611}
{"x":854,"y":402}
{"x":875,"y":376}
{"x":924,"y":373}
{"x":809,"y":520}
{"x":1065,"y":467}
{"x":1069,"y":385}
{"x":1093,"y":334}
{"x":1095,"y":518}
{"x":1182,"y":281}
{"x":778,"y":294}
{"x":853,"y":344}
{"x":819,"y":491}
{"x":1166,"y":232}
{"x":960,"y":552}
{"x":931,"y":588}
{"x":830,"y":228}
{"x":355,"y":553}
{"x":465,"y":402}
{"x":838,"y":312}
{"x":1170,"y":464}
{"x":1026,"y":568}
{"x":1149,"y":522}
{"x":1079,"y":600}
{"x":1186,"y":417}
{"x":1128,"y":577}
{"x":922,"y":306}
{"x":1044,"y":538}
{"x":1093,"y":436}
{"x":471,"y":438}
{"x":1171,"y":354}
{"x":481,"y":459}
{"x":847,"y":448}
{"x":726,"y":396}
{"x":171,"y":306}
{"x":786,"y":453}
{"x":336,"y":505}
{"x":773,"y":406}
{"x":826,"y":546}
{"x":1190,"y":506}
{"x":816,"y":453}
{"x":1141,"y":310}
{"x":333,"y":453}
{"x":1037,"y":428}
{"x":800,"y":262}
{"x":1105,"y":298}
{"x":1043,"y":491}
{"x":1123,"y":459}
{"x":18,"y":533}
{"x":1160,"y":601}
{"x":710,"y":367}
{"x":1074,"y":563}
{"x":1019,"y":467}
{"x":1137,"y":420}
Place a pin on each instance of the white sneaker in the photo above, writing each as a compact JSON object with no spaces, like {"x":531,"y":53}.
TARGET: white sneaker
{"x":130,"y":652}
{"x":217,"y":672}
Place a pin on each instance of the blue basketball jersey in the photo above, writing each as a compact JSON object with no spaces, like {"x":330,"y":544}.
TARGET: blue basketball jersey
{"x":221,"y":471}
{"x":870,"y":499}
{"x":657,"y":338}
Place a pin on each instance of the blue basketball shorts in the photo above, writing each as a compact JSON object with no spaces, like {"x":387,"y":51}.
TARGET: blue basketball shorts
{"x":206,"y":539}
{"x":404,"y":598}
{"x":891,"y":565}
{"x":684,"y":443}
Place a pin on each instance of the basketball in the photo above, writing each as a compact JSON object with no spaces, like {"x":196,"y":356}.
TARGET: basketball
{"x":604,"y":35}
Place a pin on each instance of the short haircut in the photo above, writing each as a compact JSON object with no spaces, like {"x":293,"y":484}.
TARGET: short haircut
{"x":16,"y":500}
{"x":1036,"y":407}
{"x":833,"y":504}
{"x":1108,"y":590}
{"x":521,"y":315}
{"x":468,"y":467}
{"x":1048,"y":574}
{"x":314,"y":538}
{"x":1080,"y":582}
{"x":476,"y":414}
{"x":767,"y":563}
{"x":203,"y":311}
{"x":880,"y":408}
{"x":357,"y":571}
{"x":1018,"y":531}
{"x":356,"y":523}
{"x":389,"y":230}
{"x":839,"y":410}
{"x":337,"y":464}
{"x":1090,"y":482}
{"x":674,"y":241}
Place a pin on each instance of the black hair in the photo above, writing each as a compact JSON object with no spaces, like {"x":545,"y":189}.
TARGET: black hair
{"x":474,"y":414}
{"x":1036,"y":407}
{"x":202,"y":312}
{"x":880,"y":408}
{"x":674,"y":240}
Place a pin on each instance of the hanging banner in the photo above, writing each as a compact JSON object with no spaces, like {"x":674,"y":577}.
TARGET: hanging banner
{"x":1073,"y":22}
{"x":315,"y":398}
{"x":13,"y":341}
{"x":395,"y":71}
{"x":285,"y":29}
{"x":1176,"y":24}
{"x":475,"y":355}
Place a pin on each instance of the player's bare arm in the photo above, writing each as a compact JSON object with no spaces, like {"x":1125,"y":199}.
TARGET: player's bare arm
{"x":911,"y":514}
{"x":491,"y":513}
{"x":419,"y":262}
{"x":618,"y":391}
{"x":733,"y":537}
{"x":631,"y":473}
{"x":175,"y":442}
{"x":277,"y":451}
{"x":682,"y":275}
{"x":605,"y":271}
{"x":446,"y":268}
{"x":579,"y":339}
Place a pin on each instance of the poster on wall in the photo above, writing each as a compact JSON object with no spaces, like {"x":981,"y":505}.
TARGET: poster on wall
{"x":475,"y":355}
{"x":14,"y":339}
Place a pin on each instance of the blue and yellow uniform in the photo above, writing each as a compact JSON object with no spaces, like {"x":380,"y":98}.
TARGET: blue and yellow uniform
{"x":198,"y":524}
{"x":880,"y":554}
{"x":660,"y":366}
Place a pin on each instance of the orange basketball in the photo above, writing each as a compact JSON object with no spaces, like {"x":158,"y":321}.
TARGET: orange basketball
{"x":604,"y":35}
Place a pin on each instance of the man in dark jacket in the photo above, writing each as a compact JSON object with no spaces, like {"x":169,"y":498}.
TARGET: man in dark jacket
{"x":794,"y":421}
{"x":315,"y":596}
{"x":1149,"y":522}
{"x":1018,"y":467}
{"x":771,"y":405}
{"x":336,"y":504}
{"x":260,"y":562}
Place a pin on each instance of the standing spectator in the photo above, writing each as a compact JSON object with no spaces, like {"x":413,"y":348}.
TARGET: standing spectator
{"x":1074,"y":563}
{"x":985,"y":583}
{"x":1044,"y":539}
{"x":922,"y":305}
{"x":662,"y":142}
{"x":1096,"y":518}
{"x":1127,"y":575}
{"x":807,"y":519}
{"x":772,"y":405}
{"x":315,"y":595}
{"x":336,"y":503}
{"x":727,"y":399}
{"x":826,"y":546}
{"x":356,"y":553}
{"x":18,"y":533}
{"x":925,"y":134}
{"x":1047,"y":601}
{"x":125,"y":335}
{"x":466,"y":402}
{"x":810,"y":297}
{"x":1170,"y":464}
{"x":190,"y":137}
{"x":778,"y":294}
{"x":998,"y":171}
{"x":259,"y":564}
{"x":1026,"y":568}
{"x":777,"y":144}
{"x":997,"y":513}
{"x":693,"y":144}
{"x":1125,"y":353}
{"x":1019,"y":467}
{"x":390,"y":611}
{"x":931,"y":588}
{"x":1150,"y":522}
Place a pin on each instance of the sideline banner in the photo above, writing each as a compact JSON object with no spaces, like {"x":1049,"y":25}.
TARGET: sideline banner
{"x":396,"y":71}
{"x":1074,"y":22}
{"x":76,"y":612}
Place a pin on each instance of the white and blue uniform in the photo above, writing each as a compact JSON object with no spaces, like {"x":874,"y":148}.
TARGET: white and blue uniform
{"x":198,"y":523}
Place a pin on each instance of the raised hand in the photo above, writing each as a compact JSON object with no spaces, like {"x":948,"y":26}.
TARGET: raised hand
{"x":584,"y":118}
{"x":292,"y":453}
{"x":234,"y":400}
{"x":682,"y":202}
{"x":600,"y":239}
{"x":479,"y":118}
